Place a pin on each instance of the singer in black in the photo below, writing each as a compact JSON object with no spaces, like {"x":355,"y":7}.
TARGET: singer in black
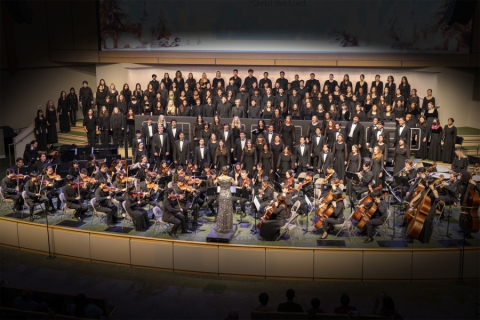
{"x":379,"y":216}
{"x":173,"y":215}
{"x":74,"y":199}
{"x":11,"y":189}
{"x":337,"y":216}
{"x":104,"y":203}
{"x":32,"y":189}
{"x":85,"y":95}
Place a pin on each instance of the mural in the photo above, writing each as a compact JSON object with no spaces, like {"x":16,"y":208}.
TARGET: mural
{"x":307,"y":26}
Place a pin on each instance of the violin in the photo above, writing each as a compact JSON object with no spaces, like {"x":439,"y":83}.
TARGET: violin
{"x":263,"y":189}
{"x":88,"y":180}
{"x":55,"y":177}
{"x":288,"y":185}
{"x":327,"y":178}
{"x":18,"y":176}
{"x":108,"y":189}
{"x":139,"y":194}
{"x":245,"y":182}
{"x":187,"y":188}
{"x":307,"y":180}
{"x":152,"y":186}
{"x":127,"y":179}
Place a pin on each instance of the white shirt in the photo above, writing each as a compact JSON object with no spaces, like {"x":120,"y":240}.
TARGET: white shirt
{"x":174,"y":131}
{"x":243,"y":144}
{"x":181,"y":145}
{"x":150,"y":131}
{"x":324,"y":157}
{"x":270,"y":135}
{"x":302,"y":149}
{"x":352,"y":128}
{"x":202,"y":149}
{"x":226,"y":135}
{"x":318,"y":140}
{"x":400,"y":129}
{"x":161,"y":138}
{"x":379,"y":132}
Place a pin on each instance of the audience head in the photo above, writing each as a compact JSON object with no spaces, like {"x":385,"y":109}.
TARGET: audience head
{"x":263,"y":298}
{"x":344,"y":300}
{"x":290,"y":294}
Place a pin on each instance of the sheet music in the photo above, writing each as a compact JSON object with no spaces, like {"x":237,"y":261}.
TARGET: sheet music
{"x":308,"y":201}
{"x":233,"y":189}
{"x":218,"y":189}
{"x":257,"y":203}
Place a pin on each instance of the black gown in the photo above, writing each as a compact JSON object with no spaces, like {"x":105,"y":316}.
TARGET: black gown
{"x":212,"y":148}
{"x":354,"y":165}
{"x":330,"y":137}
{"x":41,"y":137}
{"x":222,"y":160}
{"x":267,"y":162}
{"x":285,"y":162}
{"x":288,"y":135}
{"x":137,"y":213}
{"x":435,"y":148}
{"x":248,"y":160}
{"x":339,"y":163}
{"x":450,"y":135}
{"x":422,"y":153}
{"x":377,"y":168}
{"x":401,"y":154}
{"x":51,"y":117}
{"x":63,"y":111}
{"x":276,"y":151}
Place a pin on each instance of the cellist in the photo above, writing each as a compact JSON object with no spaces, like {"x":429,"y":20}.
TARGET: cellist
{"x":463,"y":185}
{"x":270,"y":229}
{"x":337,"y":216}
{"x":380,"y":215}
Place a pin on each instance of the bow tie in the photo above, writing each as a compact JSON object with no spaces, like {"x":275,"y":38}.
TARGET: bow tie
{"x":270,"y":132}
{"x":302,"y":146}
{"x":201,"y":147}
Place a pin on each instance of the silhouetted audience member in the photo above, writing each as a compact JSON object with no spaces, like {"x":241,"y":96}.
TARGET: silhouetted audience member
{"x":315,"y":303}
{"x":24,"y":302}
{"x":289,"y":306}
{"x":263,"y":299}
{"x":388,"y":308}
{"x":345,"y":308}
{"x":83,"y":309}
{"x":232,"y":315}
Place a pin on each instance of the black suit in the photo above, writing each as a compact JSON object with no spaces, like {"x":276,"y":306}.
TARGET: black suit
{"x":31,"y":199}
{"x":146,"y":134}
{"x":224,"y":110}
{"x":173,"y":137}
{"x":405,"y":135}
{"x":269,"y":140}
{"x":181,"y":155}
{"x":357,"y":138}
{"x":323,"y":161}
{"x":237,"y":149}
{"x":267,"y":198}
{"x":374,"y":136}
{"x":316,"y":148}
{"x":228,"y":141}
{"x":72,"y":202}
{"x":30,"y":156}
{"x":302,"y":159}
{"x":159,"y":147}
{"x":173,"y":215}
{"x":197,"y":158}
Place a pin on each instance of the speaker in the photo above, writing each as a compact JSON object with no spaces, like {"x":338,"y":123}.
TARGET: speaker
{"x":20,"y":11}
{"x":460,"y":11}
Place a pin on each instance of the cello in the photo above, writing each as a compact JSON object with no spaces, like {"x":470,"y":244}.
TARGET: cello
{"x":266,"y":216}
{"x":368,"y":213}
{"x":419,"y":213}
{"x":359,"y":211}
{"x":469,"y":209}
{"x":418,"y":189}
{"x":329,"y":197}
{"x":327,"y":211}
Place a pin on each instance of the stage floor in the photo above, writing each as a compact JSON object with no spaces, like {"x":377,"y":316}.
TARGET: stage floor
{"x":298,"y":238}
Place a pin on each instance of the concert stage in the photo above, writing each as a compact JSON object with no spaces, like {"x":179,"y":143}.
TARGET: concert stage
{"x":298,"y":255}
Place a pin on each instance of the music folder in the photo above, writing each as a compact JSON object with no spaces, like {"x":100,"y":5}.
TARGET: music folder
{"x":242,"y":193}
{"x":352,"y":175}
{"x":212,"y":191}
{"x":257,"y":203}
{"x":401,"y":181}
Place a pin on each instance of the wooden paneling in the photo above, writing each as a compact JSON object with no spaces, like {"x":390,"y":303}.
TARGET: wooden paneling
{"x":386,"y":265}
{"x":441,"y":264}
{"x":84,"y":18}
{"x":66,"y":56}
{"x":243,"y":62}
{"x":461,"y":61}
{"x":35,"y":59}
{"x":195,"y":258}
{"x":31,"y":236}
{"x":337,"y":264}
{"x":127,"y":60}
{"x":110,"y":248}
{"x":8,"y":233}
{"x":471,"y":266}
{"x":369,"y":63}
{"x":70,"y":243}
{"x":153,"y":254}
{"x":202,"y":61}
{"x":243,"y":261}
{"x":305,"y":63}
{"x":289,"y":263}
{"x":60,"y":29}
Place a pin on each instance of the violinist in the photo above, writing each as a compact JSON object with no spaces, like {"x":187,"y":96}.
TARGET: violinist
{"x":142,"y":168}
{"x":270,"y":229}
{"x":87,"y":185}
{"x":288,"y":186}
{"x":236,"y":171}
{"x":409,"y":173}
{"x":41,"y":165}
{"x":206,"y":170}
{"x":150,"y":189}
{"x":52,"y":186}
{"x":177,"y":173}
{"x":120,"y":185}
{"x":11,"y":189}
{"x":366,"y":180}
{"x":134,"y":205}
{"x":74,"y":199}
{"x":103,"y":173}
{"x":308,"y":189}
{"x":327,"y":182}
{"x":20,"y":168}
{"x":92,"y":164}
{"x":164,"y":169}
{"x":420,"y":179}
{"x":211,"y":183}
{"x":176,"y":216}
{"x":30,"y":155}
{"x":104,"y":203}
{"x":242,"y":182}
{"x":258,"y":175}
{"x":74,"y":169}
{"x":185,"y":191}
{"x":118,"y":168}
{"x":447,"y":192}
{"x":265,"y":194}
{"x":380,"y":215}
{"x":337,"y":216}
{"x":32,"y":189}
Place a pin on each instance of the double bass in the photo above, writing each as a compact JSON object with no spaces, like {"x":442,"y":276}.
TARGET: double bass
{"x":418,"y":213}
{"x":470,"y":221}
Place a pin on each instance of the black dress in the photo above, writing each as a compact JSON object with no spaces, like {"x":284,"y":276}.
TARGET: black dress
{"x":288,"y":135}
{"x":198,"y":128}
{"x":459,"y":165}
{"x":450,"y":135}
{"x":353,"y":165}
{"x":422,"y":153}
{"x":40,"y":133}
{"x":137,"y":213}
{"x":389,"y":118}
{"x":266,"y":158}
{"x":249,"y":159}
{"x":270,"y":229}
{"x":206,"y":136}
{"x":401,"y":154}
{"x":339,"y":163}
{"x":435,"y":148}
{"x":51,"y":117}
{"x":430,"y":116}
{"x":276,"y":151}
{"x":284,"y":163}
{"x":63,"y":111}
{"x":222,"y":160}
{"x":330,"y":137}
{"x":212,"y":148}
{"x":377,"y":168}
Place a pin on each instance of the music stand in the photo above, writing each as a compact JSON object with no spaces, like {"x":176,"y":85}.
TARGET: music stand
{"x":277,"y":186}
{"x":353,"y":176}
{"x":309,"y":204}
{"x":243,"y":194}
{"x":394,"y":213}
{"x":257,"y":205}
{"x":428,"y":165}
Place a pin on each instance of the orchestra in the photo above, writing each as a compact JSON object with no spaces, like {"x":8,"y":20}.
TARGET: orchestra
{"x":170,"y":172}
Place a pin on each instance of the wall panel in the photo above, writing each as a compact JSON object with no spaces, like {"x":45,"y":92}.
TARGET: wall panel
{"x":195,"y":258}
{"x":289,"y":263}
{"x":110,"y":248}
{"x":245,"y":261}
{"x":153,"y":254}
{"x":394,"y":264}
{"x":337,"y":264}
{"x":8,"y":233}
{"x":31,"y":236}
{"x":435,"y":265}
{"x":70,"y":243}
